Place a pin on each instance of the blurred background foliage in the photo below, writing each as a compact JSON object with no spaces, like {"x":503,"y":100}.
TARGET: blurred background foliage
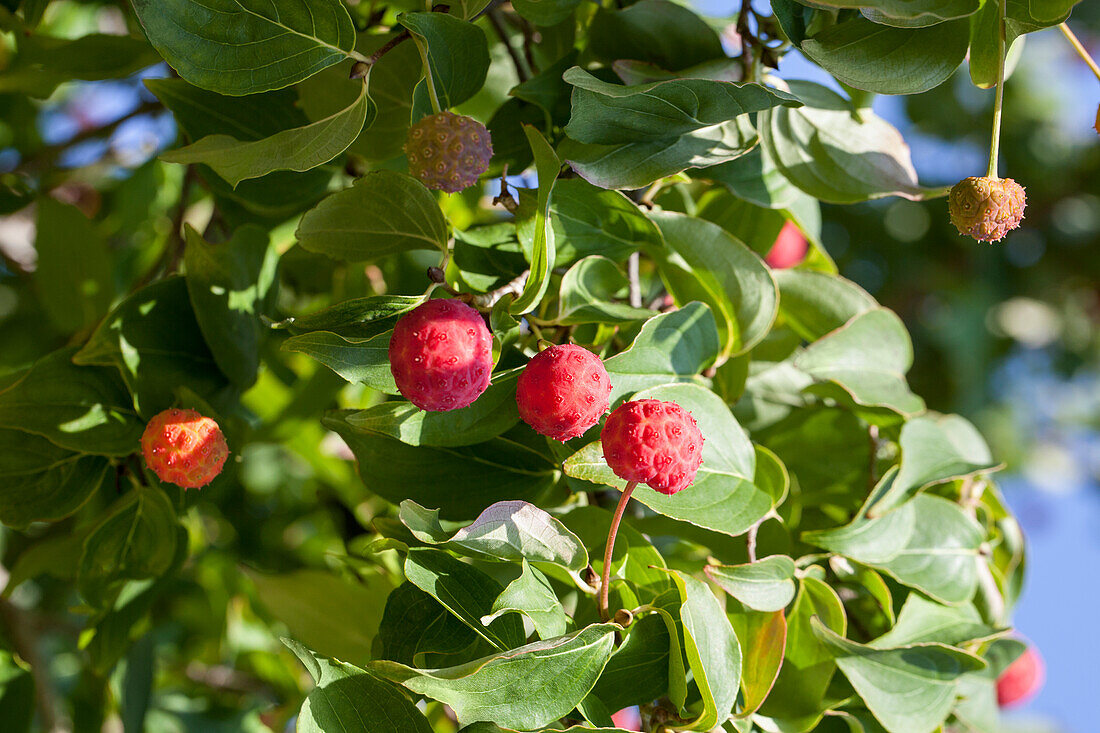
{"x":1005,"y":334}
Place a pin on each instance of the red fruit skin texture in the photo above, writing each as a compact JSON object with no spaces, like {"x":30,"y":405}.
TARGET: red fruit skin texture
{"x":654,"y":443}
{"x":563,"y":391}
{"x":441,"y":355}
{"x":184,"y":448}
{"x":448,"y":151}
{"x":1021,"y":680}
{"x":789,"y":249}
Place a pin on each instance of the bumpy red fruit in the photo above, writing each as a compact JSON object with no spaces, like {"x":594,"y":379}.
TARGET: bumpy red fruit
{"x":655,"y":443}
{"x":563,"y":391}
{"x":184,"y":448}
{"x":986,"y":208}
{"x":1021,"y":680}
{"x":448,"y":151}
{"x":441,"y":355}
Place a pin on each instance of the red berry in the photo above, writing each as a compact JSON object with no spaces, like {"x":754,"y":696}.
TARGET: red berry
{"x":655,"y":443}
{"x":184,"y":448}
{"x":789,"y":248}
{"x":1021,"y":680}
{"x":627,"y":719}
{"x":563,"y":391}
{"x":448,"y":151}
{"x":441,"y":355}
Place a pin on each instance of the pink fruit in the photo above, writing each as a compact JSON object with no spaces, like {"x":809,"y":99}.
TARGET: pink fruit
{"x":789,"y":248}
{"x":627,"y":719}
{"x":448,"y":151}
{"x":184,"y":448}
{"x":563,"y":391}
{"x":441,"y":355}
{"x":655,"y":443}
{"x":1021,"y":680}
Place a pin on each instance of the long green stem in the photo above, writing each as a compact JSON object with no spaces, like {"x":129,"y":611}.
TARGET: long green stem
{"x":995,"y":145}
{"x":1080,"y":49}
{"x":428,"y":77}
{"x":609,"y":548}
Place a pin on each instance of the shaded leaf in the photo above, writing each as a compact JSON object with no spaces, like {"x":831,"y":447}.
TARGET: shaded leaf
{"x":765,"y":585}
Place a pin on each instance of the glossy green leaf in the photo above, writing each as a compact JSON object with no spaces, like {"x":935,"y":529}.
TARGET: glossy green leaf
{"x":922,"y":621}
{"x":44,"y":62}
{"x":763,"y":636}
{"x":587,"y":292}
{"x":41,"y":481}
{"x":532,"y":595}
{"x":638,"y":672}
{"x":384,"y":213}
{"x":296,"y":149}
{"x":723,"y":497}
{"x":658,"y":31}
{"x":513,"y":688}
{"x":348,"y":699}
{"x":456,"y":52}
{"x":543,"y":254}
{"x":909,"y":689}
{"x":357,"y":318}
{"x":230,"y":285}
{"x":609,"y":114}
{"x":765,"y":585}
{"x":73,"y":273}
{"x":634,"y":559}
{"x":244,"y":46}
{"x":83,"y":409}
{"x":417,"y":630}
{"x":923,"y":12}
{"x":708,"y":264}
{"x":815,"y":303}
{"x":508,"y":530}
{"x":546,"y":12}
{"x":357,"y":360}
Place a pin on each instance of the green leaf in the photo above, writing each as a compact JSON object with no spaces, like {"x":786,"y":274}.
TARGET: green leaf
{"x":609,"y":114}
{"x":765,"y":585}
{"x":348,"y":699}
{"x":868,"y":358}
{"x":155,"y":340}
{"x":461,"y":482}
{"x":920,"y":12}
{"x":41,"y":481}
{"x":763,"y":636}
{"x":815,"y":303}
{"x":808,"y":665}
{"x":135,"y":539}
{"x":73,"y":274}
{"x":531,"y":595}
{"x":243,"y":46}
{"x":639,"y":670}
{"x":835,"y":153}
{"x":330,"y":614}
{"x":671,"y":347}
{"x":935,"y":450}
{"x":230,"y":284}
{"x":417,"y":630}
{"x":587,"y":291}
{"x":357,"y":318}
{"x":357,"y":360}
{"x":546,"y":12}
{"x":755,"y":178}
{"x":885,"y":60}
{"x":466,"y":592}
{"x":296,"y":149}
{"x":524,"y":688}
{"x":542,"y":255}
{"x":457,"y":53}
{"x":634,"y":559}
{"x":723,"y":497}
{"x":491,"y":414}
{"x":711,"y":648}
{"x":44,"y":62}
{"x":508,"y":530}
{"x":83,"y":409}
{"x":664,"y":33}
{"x":384,"y":213}
{"x":927,"y":543}
{"x":638,"y":164}
{"x":923,"y":621}
{"x":710,"y":265}
{"x":909,"y":689}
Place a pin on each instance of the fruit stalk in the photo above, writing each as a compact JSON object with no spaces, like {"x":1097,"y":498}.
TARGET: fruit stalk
{"x":1080,"y":49}
{"x":995,"y":145}
{"x":609,"y":549}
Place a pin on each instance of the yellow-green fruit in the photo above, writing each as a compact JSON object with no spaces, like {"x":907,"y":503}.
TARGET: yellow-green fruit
{"x":448,"y":151}
{"x":986,"y":208}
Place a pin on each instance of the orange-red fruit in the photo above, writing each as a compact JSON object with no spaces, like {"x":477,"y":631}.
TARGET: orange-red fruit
{"x":789,"y":248}
{"x":448,"y":151}
{"x":184,"y":448}
{"x":563,"y":391}
{"x":986,"y":208}
{"x":1021,"y":680}
{"x":441,"y":355}
{"x":654,"y":443}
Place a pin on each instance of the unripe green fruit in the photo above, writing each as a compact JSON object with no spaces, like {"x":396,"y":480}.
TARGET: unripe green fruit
{"x":986,"y":208}
{"x":448,"y":151}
